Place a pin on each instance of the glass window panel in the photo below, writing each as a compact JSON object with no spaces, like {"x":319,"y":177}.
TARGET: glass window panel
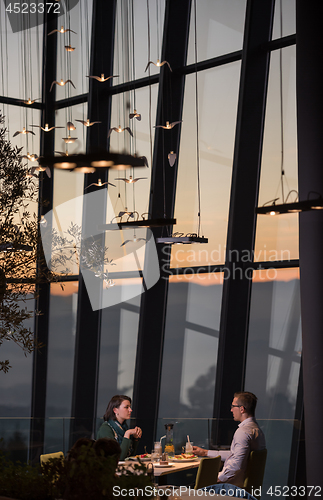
{"x":15,"y":432}
{"x":68,"y":187}
{"x":220,"y":25}
{"x":218,"y":97}
{"x":274,"y":337}
{"x":284,"y":18}
{"x":199,"y":311}
{"x":17,"y":117}
{"x":277,"y":237}
{"x":15,"y":388}
{"x":75,"y":65}
{"x":133,"y":38}
{"x":21,"y":56}
{"x":134,"y":197}
{"x":118,"y":347}
{"x":71,"y":114}
{"x":15,"y":395}
{"x":61,"y":344}
{"x":191,"y":346}
{"x":198,"y":378}
{"x":127,"y":351}
{"x":273,"y":363}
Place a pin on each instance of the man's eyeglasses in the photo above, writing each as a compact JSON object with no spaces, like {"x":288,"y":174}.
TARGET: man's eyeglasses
{"x":236,"y":406}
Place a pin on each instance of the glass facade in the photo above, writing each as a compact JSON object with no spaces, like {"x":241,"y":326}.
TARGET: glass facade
{"x":216,"y":124}
{"x":273,"y":362}
{"x":119,"y":333}
{"x":277,"y":238}
{"x":219,"y":29}
{"x":191,"y":335}
{"x":183,"y":315}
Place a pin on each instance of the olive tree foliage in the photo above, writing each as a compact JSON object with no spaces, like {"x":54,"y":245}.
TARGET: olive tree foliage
{"x":22,"y":261}
{"x":19,"y":247}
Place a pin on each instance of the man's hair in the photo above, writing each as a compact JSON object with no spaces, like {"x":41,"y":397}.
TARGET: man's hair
{"x":248,"y":400}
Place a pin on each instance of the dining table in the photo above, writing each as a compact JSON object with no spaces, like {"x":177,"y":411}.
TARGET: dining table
{"x":175,"y":467}
{"x":175,"y":492}
{"x":161,"y":472}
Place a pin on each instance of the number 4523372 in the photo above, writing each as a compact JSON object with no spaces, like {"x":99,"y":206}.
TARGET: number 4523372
{"x":33,"y":8}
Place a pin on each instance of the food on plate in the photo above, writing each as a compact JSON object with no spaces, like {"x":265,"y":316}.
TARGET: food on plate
{"x":185,"y":456}
{"x":163,"y":462}
{"x":144,"y":455}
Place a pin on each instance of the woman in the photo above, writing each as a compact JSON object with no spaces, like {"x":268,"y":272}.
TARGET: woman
{"x":115,"y":426}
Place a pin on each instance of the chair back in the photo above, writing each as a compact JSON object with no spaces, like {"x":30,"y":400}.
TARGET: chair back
{"x":255,"y":471}
{"x":208,"y":471}
{"x":48,"y":456}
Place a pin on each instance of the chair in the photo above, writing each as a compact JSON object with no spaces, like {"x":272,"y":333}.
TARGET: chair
{"x":208,"y":471}
{"x":48,"y":456}
{"x":255,"y":471}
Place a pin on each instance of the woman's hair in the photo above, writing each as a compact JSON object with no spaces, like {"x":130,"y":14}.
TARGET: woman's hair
{"x":114,"y":402}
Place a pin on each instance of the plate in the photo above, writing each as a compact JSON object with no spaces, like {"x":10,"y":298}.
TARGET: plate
{"x":157,"y":465}
{"x":145,"y":459}
{"x":184,"y":460}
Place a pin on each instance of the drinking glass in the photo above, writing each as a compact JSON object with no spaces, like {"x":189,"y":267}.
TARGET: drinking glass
{"x":157,"y":451}
{"x":189,"y":447}
{"x":155,"y":456}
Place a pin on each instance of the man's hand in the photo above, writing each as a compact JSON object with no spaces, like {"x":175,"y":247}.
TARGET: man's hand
{"x":200,"y":452}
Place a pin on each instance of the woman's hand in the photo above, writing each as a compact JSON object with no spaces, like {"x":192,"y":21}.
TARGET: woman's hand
{"x":136,"y":433}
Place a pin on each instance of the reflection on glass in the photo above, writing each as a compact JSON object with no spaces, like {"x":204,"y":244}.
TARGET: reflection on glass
{"x":61,"y":343}
{"x":15,"y":387}
{"x":218,"y":97}
{"x":132,"y":196}
{"x":68,"y":186}
{"x":195,"y":374}
{"x":277,"y":236}
{"x":284,"y":18}
{"x":220,"y":25}
{"x":75,"y":65}
{"x":61,"y":348}
{"x":64,"y":118}
{"x":118,"y":347}
{"x":21,"y":53}
{"x":127,"y":351}
{"x":16,"y":118}
{"x":133,"y":38}
{"x":273,"y":361}
{"x":15,"y":396}
{"x":190,"y":349}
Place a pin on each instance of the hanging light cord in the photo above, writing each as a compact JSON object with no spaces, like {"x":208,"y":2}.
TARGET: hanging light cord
{"x":197,"y":125}
{"x":157,"y":21}
{"x":83,"y":51}
{"x":133,"y":76}
{"x":150,"y":135}
{"x":282,"y":173}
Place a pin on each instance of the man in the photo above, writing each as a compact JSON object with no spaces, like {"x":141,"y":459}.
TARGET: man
{"x":248,"y":437}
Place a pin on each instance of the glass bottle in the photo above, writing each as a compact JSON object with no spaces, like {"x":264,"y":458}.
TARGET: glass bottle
{"x":169,"y":443}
